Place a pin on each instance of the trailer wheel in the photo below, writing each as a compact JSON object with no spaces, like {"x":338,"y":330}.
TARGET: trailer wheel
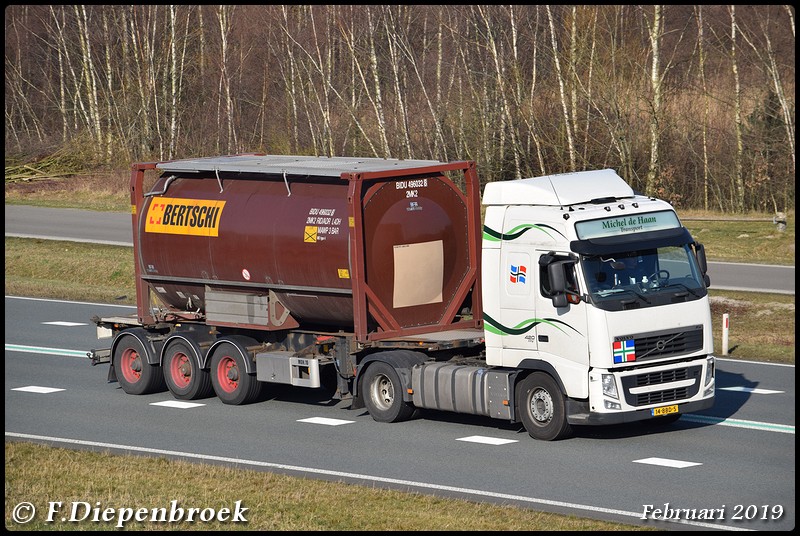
{"x":383,"y":394}
{"x":542,"y":407}
{"x":135,"y":375}
{"x":232,"y":384}
{"x":183,"y":375}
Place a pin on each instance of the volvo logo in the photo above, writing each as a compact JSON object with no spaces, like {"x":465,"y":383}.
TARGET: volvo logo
{"x":661,"y":344}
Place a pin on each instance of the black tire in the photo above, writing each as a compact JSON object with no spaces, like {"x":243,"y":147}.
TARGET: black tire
{"x":135,"y":375}
{"x":229,"y":377}
{"x":542,"y":407}
{"x":383,"y":394}
{"x":183,"y":375}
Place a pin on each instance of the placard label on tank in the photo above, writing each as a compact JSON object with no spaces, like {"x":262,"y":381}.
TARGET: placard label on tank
{"x":172,"y":215}
{"x":320,"y":224}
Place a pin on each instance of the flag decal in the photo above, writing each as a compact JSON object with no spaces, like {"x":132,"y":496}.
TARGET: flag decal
{"x":624,"y":351}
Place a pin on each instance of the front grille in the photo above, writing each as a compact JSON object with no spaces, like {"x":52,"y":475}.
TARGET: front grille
{"x":664,"y":377}
{"x":660,"y":397}
{"x":668,"y":344}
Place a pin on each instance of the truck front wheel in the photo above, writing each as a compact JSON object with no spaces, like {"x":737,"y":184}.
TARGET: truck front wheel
{"x":542,"y":407}
{"x":135,"y":375}
{"x":185,"y":379}
{"x":383,"y":394}
{"x":230,"y":379}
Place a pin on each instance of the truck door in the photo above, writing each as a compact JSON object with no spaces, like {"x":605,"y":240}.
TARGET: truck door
{"x":561,"y":332}
{"x":517,"y":305}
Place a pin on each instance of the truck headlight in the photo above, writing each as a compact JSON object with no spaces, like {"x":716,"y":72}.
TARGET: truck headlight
{"x":610,"y":386}
{"x":709,"y":369}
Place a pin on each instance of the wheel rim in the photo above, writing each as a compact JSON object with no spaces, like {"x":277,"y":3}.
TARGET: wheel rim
{"x":228,"y":374}
{"x":131,"y":365}
{"x":181,"y":369}
{"x":541,"y":406}
{"x":382,"y":392}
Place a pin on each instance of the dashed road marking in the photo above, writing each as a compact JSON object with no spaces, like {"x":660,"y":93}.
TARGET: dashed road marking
{"x":177,"y":404}
{"x":325,"y":421}
{"x":37,"y":389}
{"x":65,"y":324}
{"x":487,"y":440}
{"x":753,"y":390}
{"x":666,"y":462}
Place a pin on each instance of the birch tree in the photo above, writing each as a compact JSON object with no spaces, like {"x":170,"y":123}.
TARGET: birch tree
{"x":390,"y":22}
{"x":89,"y":75}
{"x":562,"y":91}
{"x":225,"y":99}
{"x":701,"y":64}
{"x":656,"y":31}
{"x":737,"y":191}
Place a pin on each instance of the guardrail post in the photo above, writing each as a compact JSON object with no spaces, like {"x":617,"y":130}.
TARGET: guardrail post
{"x":725,"y":329}
{"x":780,"y":220}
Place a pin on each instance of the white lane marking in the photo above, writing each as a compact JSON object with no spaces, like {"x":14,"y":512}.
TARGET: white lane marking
{"x":65,"y":324}
{"x":37,"y":389}
{"x":742,"y":389}
{"x":325,"y":421}
{"x":373,"y":478}
{"x":45,"y":350}
{"x":487,"y":440}
{"x":177,"y":404}
{"x":739,"y":423}
{"x":68,"y":301}
{"x":666,"y":462}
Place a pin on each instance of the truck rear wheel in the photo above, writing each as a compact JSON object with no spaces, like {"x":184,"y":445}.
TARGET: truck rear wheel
{"x":135,"y":375}
{"x":542,"y":407}
{"x":183,"y":375}
{"x":232,"y":384}
{"x":383,"y":394}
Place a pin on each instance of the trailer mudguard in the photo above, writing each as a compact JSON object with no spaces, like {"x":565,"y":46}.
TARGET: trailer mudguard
{"x":241,"y":342}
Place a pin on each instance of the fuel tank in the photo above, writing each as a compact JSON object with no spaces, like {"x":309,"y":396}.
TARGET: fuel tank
{"x":275,"y":242}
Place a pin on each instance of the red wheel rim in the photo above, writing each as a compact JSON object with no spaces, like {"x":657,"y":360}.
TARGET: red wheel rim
{"x":131,"y":364}
{"x":228,"y":374}
{"x":181,"y":369}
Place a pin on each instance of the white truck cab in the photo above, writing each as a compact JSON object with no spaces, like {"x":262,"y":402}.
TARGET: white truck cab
{"x":602,"y":289}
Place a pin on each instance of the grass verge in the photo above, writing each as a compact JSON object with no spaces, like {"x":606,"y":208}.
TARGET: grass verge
{"x":40,"y":475}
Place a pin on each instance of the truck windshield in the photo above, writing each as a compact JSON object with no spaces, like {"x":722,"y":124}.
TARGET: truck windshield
{"x":643,"y":278}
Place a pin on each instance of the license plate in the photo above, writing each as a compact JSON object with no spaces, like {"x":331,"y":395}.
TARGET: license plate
{"x":664,"y":410}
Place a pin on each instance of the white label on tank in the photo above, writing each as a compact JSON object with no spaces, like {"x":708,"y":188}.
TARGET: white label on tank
{"x":246,"y":274}
{"x":411,"y":187}
{"x":321,"y":223}
{"x":162,"y":290}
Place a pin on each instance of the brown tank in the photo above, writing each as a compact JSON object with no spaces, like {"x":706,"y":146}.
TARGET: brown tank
{"x":380,"y":247}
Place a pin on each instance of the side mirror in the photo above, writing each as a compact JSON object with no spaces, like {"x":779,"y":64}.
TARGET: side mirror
{"x":700,"y":253}
{"x":558,"y":283}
